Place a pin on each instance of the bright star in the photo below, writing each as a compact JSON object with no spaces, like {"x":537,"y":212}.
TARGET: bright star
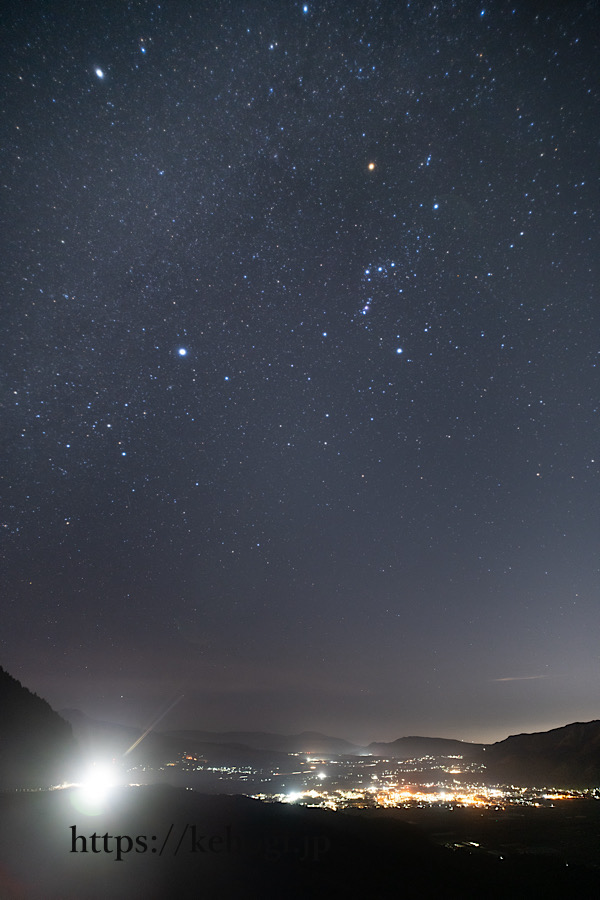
{"x":399,"y":350}
{"x":182,"y":351}
{"x":99,"y":73}
{"x":371,"y":166}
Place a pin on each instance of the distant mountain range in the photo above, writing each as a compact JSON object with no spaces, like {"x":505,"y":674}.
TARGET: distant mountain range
{"x":567,"y":756}
{"x":307,"y":742}
{"x":38,"y":746}
{"x":113,"y":740}
{"x":417,"y":747}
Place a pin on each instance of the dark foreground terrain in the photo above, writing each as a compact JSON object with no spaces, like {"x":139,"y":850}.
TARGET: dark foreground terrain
{"x":176,"y":843}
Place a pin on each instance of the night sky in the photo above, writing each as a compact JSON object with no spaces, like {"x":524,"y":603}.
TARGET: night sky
{"x":300,"y":352}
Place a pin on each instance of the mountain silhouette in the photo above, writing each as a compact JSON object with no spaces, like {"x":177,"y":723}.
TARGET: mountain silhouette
{"x":37,"y":747}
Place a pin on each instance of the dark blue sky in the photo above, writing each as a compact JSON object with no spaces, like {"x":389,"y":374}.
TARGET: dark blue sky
{"x":300,"y":345}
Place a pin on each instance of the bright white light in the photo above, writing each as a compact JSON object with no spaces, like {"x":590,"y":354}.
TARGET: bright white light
{"x":99,"y":73}
{"x":95,"y":789}
{"x":322,"y":775}
{"x":182,"y":351}
{"x":399,"y":350}
{"x":295,"y":795}
{"x":98,"y":781}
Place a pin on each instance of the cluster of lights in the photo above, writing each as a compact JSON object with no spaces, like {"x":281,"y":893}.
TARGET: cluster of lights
{"x":403,"y":797}
{"x":411,"y":796}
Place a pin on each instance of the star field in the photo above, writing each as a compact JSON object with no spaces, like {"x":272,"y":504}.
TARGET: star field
{"x":300,"y":343}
